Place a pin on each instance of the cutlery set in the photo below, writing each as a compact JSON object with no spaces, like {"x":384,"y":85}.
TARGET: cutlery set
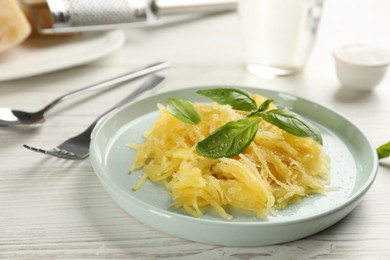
{"x":77,"y":147}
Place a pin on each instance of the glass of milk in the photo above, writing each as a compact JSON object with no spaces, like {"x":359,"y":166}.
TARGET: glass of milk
{"x":278,"y":35}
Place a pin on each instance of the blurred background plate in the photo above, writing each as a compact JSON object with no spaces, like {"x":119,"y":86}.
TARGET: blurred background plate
{"x":42,"y":55}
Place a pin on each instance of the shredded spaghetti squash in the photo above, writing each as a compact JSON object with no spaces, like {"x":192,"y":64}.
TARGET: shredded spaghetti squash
{"x":276,"y":169}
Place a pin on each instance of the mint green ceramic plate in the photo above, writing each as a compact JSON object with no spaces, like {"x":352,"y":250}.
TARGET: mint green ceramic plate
{"x":353,"y":169}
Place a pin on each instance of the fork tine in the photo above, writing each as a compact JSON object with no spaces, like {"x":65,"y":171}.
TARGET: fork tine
{"x":39,"y":150}
{"x":65,"y":154}
{"x":59,"y":153}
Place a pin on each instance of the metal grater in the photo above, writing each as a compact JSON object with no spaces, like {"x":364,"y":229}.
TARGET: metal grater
{"x":91,"y":15}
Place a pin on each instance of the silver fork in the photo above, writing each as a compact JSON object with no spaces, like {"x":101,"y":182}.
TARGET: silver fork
{"x":77,"y":147}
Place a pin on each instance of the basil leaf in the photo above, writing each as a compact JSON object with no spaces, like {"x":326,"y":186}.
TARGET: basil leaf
{"x":383,"y":151}
{"x":292,"y":123}
{"x":265,"y":105}
{"x":236,"y":98}
{"x":183,"y":110}
{"x":230,"y":139}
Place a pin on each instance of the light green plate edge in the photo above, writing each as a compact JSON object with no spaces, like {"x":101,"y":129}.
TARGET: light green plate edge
{"x":353,"y":170}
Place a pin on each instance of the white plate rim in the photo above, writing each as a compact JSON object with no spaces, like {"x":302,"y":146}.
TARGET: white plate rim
{"x":115,"y":38}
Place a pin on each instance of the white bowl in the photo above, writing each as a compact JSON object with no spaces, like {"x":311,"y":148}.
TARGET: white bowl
{"x":361,"y":67}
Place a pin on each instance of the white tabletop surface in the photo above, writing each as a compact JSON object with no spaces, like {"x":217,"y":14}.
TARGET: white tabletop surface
{"x":57,"y":209}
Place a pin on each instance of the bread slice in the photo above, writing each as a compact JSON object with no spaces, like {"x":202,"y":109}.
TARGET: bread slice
{"x":14,"y":26}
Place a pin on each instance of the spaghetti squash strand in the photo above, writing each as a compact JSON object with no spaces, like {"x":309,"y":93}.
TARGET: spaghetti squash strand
{"x":275,"y":170}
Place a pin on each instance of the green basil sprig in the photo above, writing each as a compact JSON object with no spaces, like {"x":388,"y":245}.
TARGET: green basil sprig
{"x":265,"y":105}
{"x":230,"y":139}
{"x":292,"y":123}
{"x":183,"y":110}
{"x":234,"y":137}
{"x":383,"y":151}
{"x":236,"y":98}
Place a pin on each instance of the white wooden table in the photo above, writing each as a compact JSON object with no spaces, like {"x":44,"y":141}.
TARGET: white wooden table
{"x":56,"y":209}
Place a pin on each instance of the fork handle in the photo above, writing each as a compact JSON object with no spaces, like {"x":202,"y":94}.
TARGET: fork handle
{"x":151,"y":83}
{"x":110,"y":82}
